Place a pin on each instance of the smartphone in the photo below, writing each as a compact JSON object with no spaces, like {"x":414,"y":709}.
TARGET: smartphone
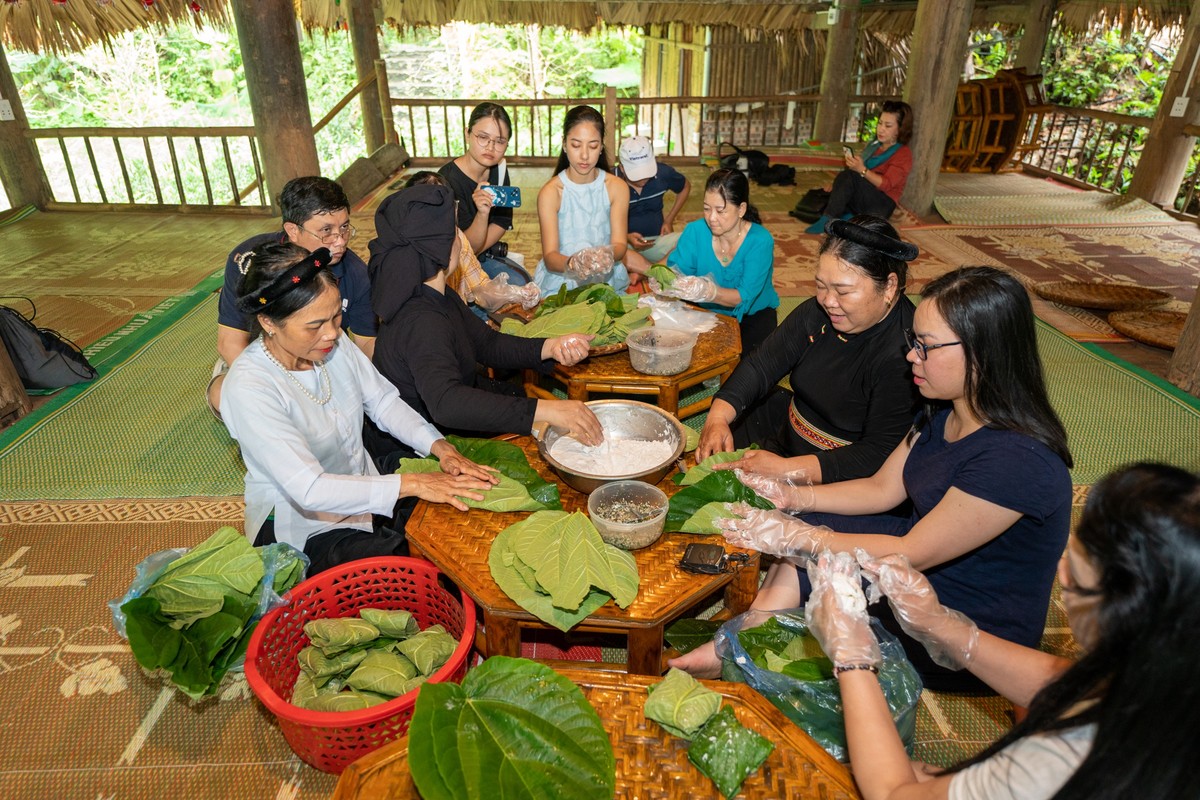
{"x":504,"y":196}
{"x":848,"y":151}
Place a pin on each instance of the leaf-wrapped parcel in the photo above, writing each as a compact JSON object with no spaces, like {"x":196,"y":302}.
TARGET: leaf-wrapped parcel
{"x":395,"y":624}
{"x":428,"y":649}
{"x":717,"y":488}
{"x":728,"y":752}
{"x":333,"y":636}
{"x":681,"y":704}
{"x":514,"y":729}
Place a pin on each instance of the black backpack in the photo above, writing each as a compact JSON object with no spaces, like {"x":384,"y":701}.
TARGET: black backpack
{"x":752,"y":162}
{"x":777,"y":175}
{"x":42,"y":357}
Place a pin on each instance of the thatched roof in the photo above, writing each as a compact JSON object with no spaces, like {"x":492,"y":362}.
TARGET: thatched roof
{"x":68,"y":25}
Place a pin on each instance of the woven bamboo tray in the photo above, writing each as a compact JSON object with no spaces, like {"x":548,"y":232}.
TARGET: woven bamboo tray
{"x":1157,"y":328}
{"x":1110,"y":296}
{"x":651,"y":763}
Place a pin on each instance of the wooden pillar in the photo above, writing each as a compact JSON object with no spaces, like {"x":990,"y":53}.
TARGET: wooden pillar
{"x":612,"y":122}
{"x":270,"y":47}
{"x":1034,"y":36}
{"x":20,"y":164}
{"x":1184,"y":367}
{"x":364,"y":37}
{"x":841,"y":46}
{"x":1165,"y":157}
{"x":935,"y":64}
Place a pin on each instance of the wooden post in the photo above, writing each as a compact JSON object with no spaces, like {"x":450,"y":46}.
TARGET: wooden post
{"x":841,"y":46}
{"x":612,"y":123}
{"x":385,"y":103}
{"x":935,"y":64}
{"x":1184,"y":367}
{"x":270,"y":48}
{"x":1165,"y":157}
{"x":364,"y":37}
{"x":20,"y":164}
{"x":1036,"y":33}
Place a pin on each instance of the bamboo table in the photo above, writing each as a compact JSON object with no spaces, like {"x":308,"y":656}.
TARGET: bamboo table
{"x":651,"y":763}
{"x":458,"y":543}
{"x":715,"y":356}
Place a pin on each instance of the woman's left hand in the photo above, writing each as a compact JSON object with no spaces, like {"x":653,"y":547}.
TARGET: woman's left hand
{"x":453,"y":462}
{"x":836,"y":611}
{"x":855,"y":164}
{"x":568,"y":350}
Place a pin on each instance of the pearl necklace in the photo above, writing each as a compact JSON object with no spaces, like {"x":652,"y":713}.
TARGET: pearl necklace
{"x":724,"y":257}
{"x":326,"y":389}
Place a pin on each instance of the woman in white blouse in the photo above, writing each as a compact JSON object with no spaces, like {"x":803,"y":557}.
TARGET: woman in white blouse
{"x":294,"y":400}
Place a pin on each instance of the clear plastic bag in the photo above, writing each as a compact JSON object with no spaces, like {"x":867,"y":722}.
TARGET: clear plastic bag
{"x":816,"y":706}
{"x":675,"y":315}
{"x":497,"y":292}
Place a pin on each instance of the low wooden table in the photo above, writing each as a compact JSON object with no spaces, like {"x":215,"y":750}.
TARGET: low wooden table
{"x":458,"y":543}
{"x":650,"y":761}
{"x":715,"y":356}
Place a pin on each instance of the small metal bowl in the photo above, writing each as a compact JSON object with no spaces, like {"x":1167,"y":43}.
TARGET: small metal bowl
{"x":631,"y":420}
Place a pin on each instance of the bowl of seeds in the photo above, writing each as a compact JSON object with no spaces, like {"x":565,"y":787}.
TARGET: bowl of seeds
{"x":628,"y":514}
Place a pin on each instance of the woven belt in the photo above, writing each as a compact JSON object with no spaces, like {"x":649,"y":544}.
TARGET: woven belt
{"x":814,"y":436}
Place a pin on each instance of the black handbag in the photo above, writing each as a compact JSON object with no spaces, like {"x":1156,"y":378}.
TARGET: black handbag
{"x":752,"y":162}
{"x":811,"y":205}
{"x":44,"y":359}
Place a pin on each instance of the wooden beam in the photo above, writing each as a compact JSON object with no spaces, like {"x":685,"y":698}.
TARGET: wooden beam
{"x":20,"y":165}
{"x":841,"y":46}
{"x":364,"y":37}
{"x":1165,"y":157}
{"x":1184,"y":367}
{"x":270,"y":47}
{"x":1034,"y":35}
{"x":935,"y":65}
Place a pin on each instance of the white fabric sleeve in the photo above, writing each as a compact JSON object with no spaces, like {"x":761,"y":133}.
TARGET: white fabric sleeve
{"x":1032,"y":768}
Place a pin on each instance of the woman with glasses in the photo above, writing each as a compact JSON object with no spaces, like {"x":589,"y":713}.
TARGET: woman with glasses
{"x":488,"y":131}
{"x":873,"y":180}
{"x":981,"y":477}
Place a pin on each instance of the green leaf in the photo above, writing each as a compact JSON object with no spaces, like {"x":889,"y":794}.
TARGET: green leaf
{"x":719,"y":487}
{"x":705,"y":467}
{"x":342,"y":701}
{"x":664,"y":275}
{"x":154,"y":642}
{"x":705,"y":518}
{"x":333,"y":636}
{"x":383,"y":673}
{"x":188,"y":598}
{"x":727,"y":752}
{"x":304,"y":690}
{"x":568,"y":557}
{"x":429,"y":649}
{"x":394,"y":623}
{"x":680,"y":704}
{"x":225,"y":557}
{"x":579,"y":318}
{"x":514,"y":729}
{"x":686,"y":634}
{"x":318,"y":665}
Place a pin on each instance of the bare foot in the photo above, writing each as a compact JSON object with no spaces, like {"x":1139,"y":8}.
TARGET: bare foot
{"x":702,"y":662}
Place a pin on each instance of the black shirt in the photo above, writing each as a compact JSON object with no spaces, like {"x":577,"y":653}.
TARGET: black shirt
{"x":463,"y":187}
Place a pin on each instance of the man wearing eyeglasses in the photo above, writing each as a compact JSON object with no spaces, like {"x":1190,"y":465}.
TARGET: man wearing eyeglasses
{"x":316,"y":214}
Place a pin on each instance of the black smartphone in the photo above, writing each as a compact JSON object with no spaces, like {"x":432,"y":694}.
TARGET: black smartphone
{"x":848,"y":151}
{"x":504,"y":196}
{"x":707,"y":559}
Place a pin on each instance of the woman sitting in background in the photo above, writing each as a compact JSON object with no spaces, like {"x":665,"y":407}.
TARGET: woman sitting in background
{"x":295,"y":399}
{"x":1121,"y":722}
{"x":583,"y":211}
{"x":873,"y":180}
{"x":726,"y":260}
{"x":431,"y":346}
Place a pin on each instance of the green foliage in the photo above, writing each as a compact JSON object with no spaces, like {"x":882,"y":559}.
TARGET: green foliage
{"x":727,"y":752}
{"x":1103,"y":69}
{"x":705,"y":467}
{"x":521,"y":488}
{"x":719,"y":488}
{"x":686,"y":634}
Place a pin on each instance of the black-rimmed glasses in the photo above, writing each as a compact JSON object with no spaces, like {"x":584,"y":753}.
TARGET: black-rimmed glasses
{"x":923,"y":349}
{"x":329,"y":236}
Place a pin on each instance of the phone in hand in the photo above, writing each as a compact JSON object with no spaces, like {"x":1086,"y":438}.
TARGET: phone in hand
{"x":847,"y":151}
{"x":504,"y":196}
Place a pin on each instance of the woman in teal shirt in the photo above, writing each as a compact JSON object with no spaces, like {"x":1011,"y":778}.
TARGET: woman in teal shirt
{"x":726,"y":260}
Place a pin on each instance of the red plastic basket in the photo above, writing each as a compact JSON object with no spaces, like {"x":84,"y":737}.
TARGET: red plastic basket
{"x":331,"y":740}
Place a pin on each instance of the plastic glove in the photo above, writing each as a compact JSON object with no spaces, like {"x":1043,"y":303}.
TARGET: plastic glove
{"x":772,"y":532}
{"x":590,"y":262}
{"x":836,"y":611}
{"x":791,"y":492}
{"x":497,"y":293}
{"x":693,"y":289}
{"x":949,"y":636}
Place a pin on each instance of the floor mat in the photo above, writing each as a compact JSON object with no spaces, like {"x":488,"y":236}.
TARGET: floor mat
{"x":1058,"y":208}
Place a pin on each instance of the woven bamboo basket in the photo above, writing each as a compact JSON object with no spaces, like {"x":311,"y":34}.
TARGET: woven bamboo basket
{"x":1157,"y":328}
{"x":1109,"y":296}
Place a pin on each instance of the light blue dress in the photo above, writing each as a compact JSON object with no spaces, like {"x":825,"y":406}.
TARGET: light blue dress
{"x":583,"y":221}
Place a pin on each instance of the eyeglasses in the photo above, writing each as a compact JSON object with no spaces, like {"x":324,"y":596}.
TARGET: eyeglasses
{"x":923,"y":349}
{"x":486,"y":142}
{"x":330,"y":235}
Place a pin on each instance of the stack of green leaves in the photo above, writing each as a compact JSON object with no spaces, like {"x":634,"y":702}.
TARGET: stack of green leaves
{"x":353,"y":663}
{"x":595,"y":308}
{"x":696,"y":508}
{"x":723,"y":749}
{"x":521,"y":488}
{"x":195,"y":619}
{"x":665,"y":276}
{"x":705,"y":467}
{"x":555,"y":566}
{"x":777,"y":648}
{"x":514,"y":729}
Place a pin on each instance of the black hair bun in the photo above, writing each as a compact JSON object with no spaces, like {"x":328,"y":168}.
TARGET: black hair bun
{"x":895,"y":248}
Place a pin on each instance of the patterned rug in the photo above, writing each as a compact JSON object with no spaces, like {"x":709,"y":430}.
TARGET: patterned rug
{"x":1057,"y":208}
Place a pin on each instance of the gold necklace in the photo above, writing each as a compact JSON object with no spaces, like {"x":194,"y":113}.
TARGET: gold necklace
{"x":724,"y":257}
{"x":326,"y":389}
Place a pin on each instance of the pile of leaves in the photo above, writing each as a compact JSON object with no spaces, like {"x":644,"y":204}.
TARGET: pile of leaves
{"x":521,"y":488}
{"x":353,"y":663}
{"x":789,"y":652}
{"x":595,"y":308}
{"x":723,"y":749}
{"x":696,"y":508}
{"x":513,"y":729}
{"x":705,"y":468}
{"x":194,"y":620}
{"x":555,"y":566}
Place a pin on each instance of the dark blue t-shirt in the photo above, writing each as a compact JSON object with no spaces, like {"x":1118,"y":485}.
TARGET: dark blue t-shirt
{"x":646,"y":208}
{"x":353,"y":282}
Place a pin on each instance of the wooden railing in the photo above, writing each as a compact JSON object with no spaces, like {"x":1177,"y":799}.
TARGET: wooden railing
{"x":1097,"y":148}
{"x":185,"y":168}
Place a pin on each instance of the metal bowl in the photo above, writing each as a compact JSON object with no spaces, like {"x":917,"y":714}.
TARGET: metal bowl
{"x":628,"y":419}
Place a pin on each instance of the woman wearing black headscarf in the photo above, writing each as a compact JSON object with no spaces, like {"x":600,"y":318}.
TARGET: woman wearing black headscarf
{"x":430,"y":345}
